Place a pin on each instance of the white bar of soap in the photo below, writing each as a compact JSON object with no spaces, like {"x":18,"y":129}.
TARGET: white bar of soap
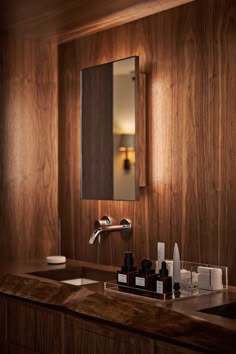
{"x":56,"y":259}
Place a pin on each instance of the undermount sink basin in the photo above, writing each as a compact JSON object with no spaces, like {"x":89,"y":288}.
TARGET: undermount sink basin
{"x":75,"y":275}
{"x":226,"y":310}
{"x":79,"y":281}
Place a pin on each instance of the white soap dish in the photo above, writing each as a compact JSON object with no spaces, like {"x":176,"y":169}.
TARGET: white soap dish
{"x":56,"y":259}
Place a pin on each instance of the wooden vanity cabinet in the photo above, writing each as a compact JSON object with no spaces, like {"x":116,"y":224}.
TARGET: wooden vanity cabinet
{"x":21,"y":324}
{"x":49,"y":331}
{"x":90,"y":337}
{"x":168,"y":348}
{"x":16,"y":349}
{"x":28,"y":328}
{"x":34,"y":329}
{"x":3,"y":346}
{"x":3,"y":338}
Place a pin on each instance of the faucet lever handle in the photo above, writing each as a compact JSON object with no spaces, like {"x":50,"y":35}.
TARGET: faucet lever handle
{"x":104,"y":221}
{"x":127,"y":226}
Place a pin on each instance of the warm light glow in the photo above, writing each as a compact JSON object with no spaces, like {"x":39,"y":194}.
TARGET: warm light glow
{"x":127,"y":143}
{"x":161,"y":145}
{"x":122,"y":148}
{"x":124,"y":124}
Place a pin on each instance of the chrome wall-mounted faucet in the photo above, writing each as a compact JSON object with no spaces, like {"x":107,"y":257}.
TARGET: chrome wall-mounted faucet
{"x":105,"y":225}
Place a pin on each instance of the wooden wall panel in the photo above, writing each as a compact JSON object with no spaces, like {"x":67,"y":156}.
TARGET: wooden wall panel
{"x":189,"y":57}
{"x":28,"y":148}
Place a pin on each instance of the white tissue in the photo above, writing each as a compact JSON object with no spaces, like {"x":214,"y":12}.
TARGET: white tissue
{"x":185,"y":276}
{"x":188,"y":278}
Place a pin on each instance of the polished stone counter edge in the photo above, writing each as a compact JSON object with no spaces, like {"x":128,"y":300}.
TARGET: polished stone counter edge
{"x":158,"y":322}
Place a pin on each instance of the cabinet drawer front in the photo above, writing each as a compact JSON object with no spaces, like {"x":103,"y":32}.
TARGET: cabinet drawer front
{"x":3,"y":346}
{"x":21,"y":324}
{"x":15,"y":349}
{"x":49,"y":331}
{"x":83,"y":336}
{"x":3,"y":317}
{"x":167,"y":348}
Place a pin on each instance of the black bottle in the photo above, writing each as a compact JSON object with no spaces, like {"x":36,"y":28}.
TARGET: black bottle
{"x":127,"y":273}
{"x":145,"y":278}
{"x":164,"y":282}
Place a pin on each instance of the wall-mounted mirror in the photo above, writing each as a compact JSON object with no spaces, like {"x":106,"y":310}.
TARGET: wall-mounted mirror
{"x":108,"y":130}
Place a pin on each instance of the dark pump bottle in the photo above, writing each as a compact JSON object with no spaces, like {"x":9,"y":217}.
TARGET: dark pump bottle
{"x":164,"y":282}
{"x":145,"y":278}
{"x":127,"y":273}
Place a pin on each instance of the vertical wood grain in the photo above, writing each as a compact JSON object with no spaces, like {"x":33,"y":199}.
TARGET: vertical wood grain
{"x":15,"y":349}
{"x":97,"y":131}
{"x":21,"y":324}
{"x":3,"y":325}
{"x":3,"y":309}
{"x":49,"y":332}
{"x":189,"y":57}
{"x":89,"y":337}
{"x":167,"y":348}
{"x":28,"y":148}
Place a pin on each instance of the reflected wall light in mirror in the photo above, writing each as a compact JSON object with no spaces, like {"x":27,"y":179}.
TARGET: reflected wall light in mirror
{"x":127,"y":144}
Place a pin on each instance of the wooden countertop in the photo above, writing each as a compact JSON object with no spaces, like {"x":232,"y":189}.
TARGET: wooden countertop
{"x":178,"y":322}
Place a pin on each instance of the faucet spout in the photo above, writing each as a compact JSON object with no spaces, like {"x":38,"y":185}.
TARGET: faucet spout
{"x":125,"y":227}
{"x":96,"y":233}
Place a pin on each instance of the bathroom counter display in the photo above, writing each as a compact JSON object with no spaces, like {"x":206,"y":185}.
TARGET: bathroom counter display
{"x":196,"y":279}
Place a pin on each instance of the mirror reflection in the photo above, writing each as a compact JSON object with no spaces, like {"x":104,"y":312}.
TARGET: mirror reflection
{"x":108,"y":110}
